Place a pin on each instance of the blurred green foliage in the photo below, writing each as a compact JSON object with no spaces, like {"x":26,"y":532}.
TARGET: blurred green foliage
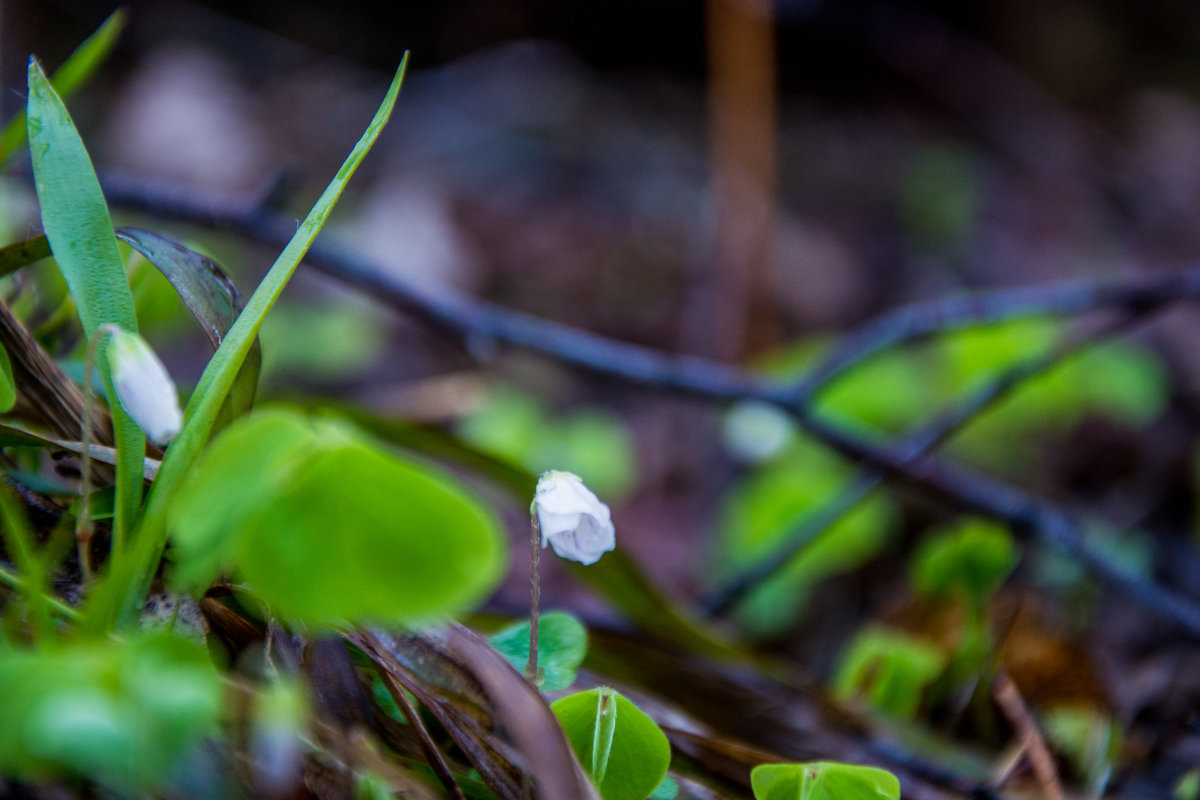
{"x":592,"y":443}
{"x":327,"y":527}
{"x":768,"y":505}
{"x":823,"y":780}
{"x":125,"y":713}
{"x":890,"y":670}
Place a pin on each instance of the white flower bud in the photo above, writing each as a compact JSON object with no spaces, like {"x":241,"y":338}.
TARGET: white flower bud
{"x":573,"y":520}
{"x":143,"y":386}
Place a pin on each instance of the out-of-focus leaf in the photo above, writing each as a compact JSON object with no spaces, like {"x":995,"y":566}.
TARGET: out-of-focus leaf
{"x":430,"y":440}
{"x":22,"y":254}
{"x":823,"y":780}
{"x":326,"y":527}
{"x":562,"y":645}
{"x":77,"y":225}
{"x":239,"y":473}
{"x":592,"y":443}
{"x":211,"y":297}
{"x":337,"y":339}
{"x":890,"y":669}
{"x":358,"y":534}
{"x":122,"y":713}
{"x":767,"y":505}
{"x":667,"y":790}
{"x":625,"y":753}
{"x":68,"y":77}
{"x":970,"y":560}
{"x":624,"y":584}
{"x":1088,"y":737}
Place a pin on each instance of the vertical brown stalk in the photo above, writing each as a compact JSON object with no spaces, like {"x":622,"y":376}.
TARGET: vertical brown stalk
{"x":742,"y":116}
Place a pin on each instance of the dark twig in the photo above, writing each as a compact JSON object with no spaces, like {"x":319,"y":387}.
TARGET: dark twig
{"x":933,"y":435}
{"x":432,"y":754}
{"x":484,"y":324}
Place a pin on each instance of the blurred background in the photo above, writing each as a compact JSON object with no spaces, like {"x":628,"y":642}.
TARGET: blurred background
{"x":736,"y":179}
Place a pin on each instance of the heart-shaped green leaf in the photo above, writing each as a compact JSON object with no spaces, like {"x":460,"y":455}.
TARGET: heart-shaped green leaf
{"x":823,"y":780}
{"x":620,"y":747}
{"x":562,"y":644}
{"x":328,"y":528}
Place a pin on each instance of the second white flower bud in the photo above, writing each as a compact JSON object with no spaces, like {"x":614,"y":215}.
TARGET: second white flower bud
{"x":144,"y":389}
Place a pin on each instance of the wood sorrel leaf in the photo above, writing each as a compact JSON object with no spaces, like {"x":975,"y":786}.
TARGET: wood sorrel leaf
{"x":626,"y":754}
{"x":823,"y":780}
{"x":326,"y":527}
{"x":562,"y":644}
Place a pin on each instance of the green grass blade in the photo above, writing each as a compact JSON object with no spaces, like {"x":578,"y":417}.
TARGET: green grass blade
{"x":132,"y":575}
{"x":80,"y":66}
{"x":19,"y":541}
{"x":75,"y":219}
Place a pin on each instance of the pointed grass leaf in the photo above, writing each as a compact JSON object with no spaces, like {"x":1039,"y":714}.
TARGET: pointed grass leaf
{"x":626,"y":754}
{"x":68,"y":77}
{"x":823,"y":780}
{"x":562,"y":644}
{"x":203,"y":286}
{"x":8,"y":388}
{"x":77,"y":225}
{"x":361,"y":535}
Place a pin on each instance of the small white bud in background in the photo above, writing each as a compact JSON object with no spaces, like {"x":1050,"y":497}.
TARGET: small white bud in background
{"x":754,"y":432}
{"x":572,"y":519}
{"x":143,"y":387}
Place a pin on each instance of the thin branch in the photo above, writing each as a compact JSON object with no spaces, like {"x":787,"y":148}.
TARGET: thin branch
{"x":924,"y":441}
{"x":484,"y":325}
{"x":1033,"y":744}
{"x":432,"y":754}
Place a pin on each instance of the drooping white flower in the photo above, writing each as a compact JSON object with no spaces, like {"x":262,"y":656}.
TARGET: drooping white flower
{"x":572,"y":519}
{"x":143,"y":387}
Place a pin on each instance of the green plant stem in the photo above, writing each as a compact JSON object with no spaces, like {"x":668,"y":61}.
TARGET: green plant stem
{"x":535,"y":596}
{"x":14,"y":581}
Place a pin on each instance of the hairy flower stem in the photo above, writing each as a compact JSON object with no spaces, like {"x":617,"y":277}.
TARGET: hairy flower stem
{"x":535,"y":594}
